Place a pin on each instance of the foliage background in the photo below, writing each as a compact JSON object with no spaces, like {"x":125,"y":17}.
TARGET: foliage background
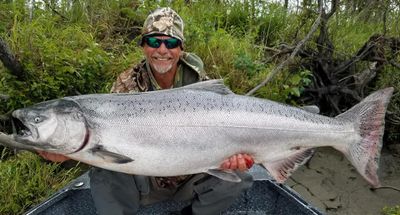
{"x":70,"y":47}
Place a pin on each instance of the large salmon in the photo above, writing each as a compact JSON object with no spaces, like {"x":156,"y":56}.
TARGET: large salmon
{"x":194,"y":128}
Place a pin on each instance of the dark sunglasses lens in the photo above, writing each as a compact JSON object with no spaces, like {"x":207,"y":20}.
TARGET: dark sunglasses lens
{"x":156,"y":43}
{"x":171,"y":43}
{"x":153,"y":42}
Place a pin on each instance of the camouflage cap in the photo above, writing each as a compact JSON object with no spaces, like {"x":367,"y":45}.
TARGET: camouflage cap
{"x":163,"y":21}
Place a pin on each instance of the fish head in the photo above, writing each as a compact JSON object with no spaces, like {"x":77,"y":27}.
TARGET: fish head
{"x":57,"y":126}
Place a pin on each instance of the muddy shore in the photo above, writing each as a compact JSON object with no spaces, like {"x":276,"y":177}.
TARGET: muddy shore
{"x":331,"y":184}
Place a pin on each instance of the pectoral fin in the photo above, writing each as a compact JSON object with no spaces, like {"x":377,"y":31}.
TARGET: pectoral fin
{"x":280,"y":170}
{"x":226,"y":175}
{"x":110,"y":156}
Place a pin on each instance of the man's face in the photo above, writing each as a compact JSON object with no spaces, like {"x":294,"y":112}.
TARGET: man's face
{"x":162,"y":59}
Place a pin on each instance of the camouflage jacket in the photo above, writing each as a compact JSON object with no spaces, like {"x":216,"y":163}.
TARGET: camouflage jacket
{"x":139,"y":79}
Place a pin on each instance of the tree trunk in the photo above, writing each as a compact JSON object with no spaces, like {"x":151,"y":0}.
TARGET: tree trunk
{"x":9,"y":60}
{"x":32,"y":10}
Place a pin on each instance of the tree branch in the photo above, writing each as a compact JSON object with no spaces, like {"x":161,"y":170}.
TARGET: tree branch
{"x":286,"y":62}
{"x":334,"y":5}
{"x":55,"y":11}
{"x":10,"y":61}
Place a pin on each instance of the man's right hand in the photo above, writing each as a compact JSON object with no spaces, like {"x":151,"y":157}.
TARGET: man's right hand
{"x":53,"y":157}
{"x":239,"y":161}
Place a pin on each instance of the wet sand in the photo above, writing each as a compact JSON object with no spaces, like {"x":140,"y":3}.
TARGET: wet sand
{"x":331,"y":184}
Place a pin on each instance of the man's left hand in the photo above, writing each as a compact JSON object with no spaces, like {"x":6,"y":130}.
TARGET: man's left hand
{"x":240,"y":162}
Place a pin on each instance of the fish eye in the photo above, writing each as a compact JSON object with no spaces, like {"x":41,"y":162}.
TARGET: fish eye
{"x":37,"y":119}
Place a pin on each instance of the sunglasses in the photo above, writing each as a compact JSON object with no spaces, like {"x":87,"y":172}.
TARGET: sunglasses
{"x":170,"y":43}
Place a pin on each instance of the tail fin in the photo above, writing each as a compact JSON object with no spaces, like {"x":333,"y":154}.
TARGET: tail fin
{"x":369,"y":119}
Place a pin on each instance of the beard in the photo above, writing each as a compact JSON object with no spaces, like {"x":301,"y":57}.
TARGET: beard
{"x":162,"y":69}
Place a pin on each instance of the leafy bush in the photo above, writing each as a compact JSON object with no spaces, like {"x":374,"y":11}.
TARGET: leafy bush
{"x":59,"y":60}
{"x":388,"y":78}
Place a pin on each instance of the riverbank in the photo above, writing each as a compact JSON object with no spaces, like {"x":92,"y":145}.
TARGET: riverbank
{"x":330,"y":183}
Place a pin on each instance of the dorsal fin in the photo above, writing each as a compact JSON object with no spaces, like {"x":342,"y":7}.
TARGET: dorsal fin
{"x":311,"y":108}
{"x":281,"y":170}
{"x":215,"y":85}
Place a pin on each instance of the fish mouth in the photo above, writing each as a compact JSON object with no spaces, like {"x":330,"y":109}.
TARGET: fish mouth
{"x":21,"y":131}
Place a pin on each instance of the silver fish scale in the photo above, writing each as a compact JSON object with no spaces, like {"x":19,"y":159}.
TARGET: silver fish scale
{"x":193,"y":129}
{"x":170,"y":125}
{"x":125,"y":108}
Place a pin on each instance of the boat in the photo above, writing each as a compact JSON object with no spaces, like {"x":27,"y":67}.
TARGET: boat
{"x":263,"y":198}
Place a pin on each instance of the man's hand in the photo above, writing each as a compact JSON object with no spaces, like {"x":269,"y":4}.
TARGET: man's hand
{"x":53,"y":157}
{"x":240,"y":162}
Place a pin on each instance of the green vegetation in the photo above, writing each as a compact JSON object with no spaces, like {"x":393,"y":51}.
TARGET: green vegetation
{"x":391,"y":210}
{"x":79,"y":47}
{"x":26,"y":181}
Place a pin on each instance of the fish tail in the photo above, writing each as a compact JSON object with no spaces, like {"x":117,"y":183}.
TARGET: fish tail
{"x":369,"y":119}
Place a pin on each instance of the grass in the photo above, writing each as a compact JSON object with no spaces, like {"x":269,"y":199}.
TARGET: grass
{"x":391,"y":210}
{"x":27,"y":180}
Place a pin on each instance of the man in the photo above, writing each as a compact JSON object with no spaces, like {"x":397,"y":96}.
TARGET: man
{"x":165,"y":66}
